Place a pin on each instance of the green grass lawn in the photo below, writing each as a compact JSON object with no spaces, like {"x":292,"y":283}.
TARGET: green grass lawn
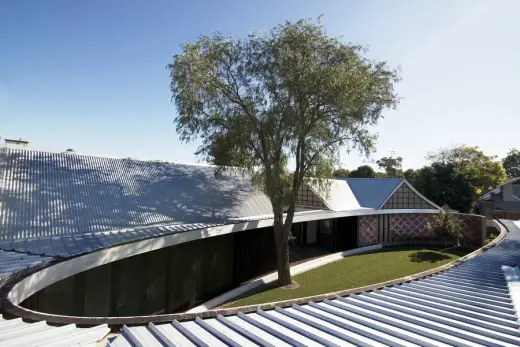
{"x":359,"y":270}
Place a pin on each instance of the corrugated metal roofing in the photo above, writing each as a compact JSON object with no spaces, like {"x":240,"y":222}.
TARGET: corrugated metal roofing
{"x":66,"y":246}
{"x":12,"y":262}
{"x":16,"y":332}
{"x":372,"y":192}
{"x":55,"y":194}
{"x":468,"y":305}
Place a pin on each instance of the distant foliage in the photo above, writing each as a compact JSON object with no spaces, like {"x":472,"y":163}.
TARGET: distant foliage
{"x":458,"y":176}
{"x":410,"y":175}
{"x":446,"y":227}
{"x":444,"y":185}
{"x":482,"y":171}
{"x":512,"y":163}
{"x":341,"y":173}
{"x":392,"y":166}
{"x":364,"y":171}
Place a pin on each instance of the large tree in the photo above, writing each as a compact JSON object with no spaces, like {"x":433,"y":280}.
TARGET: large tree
{"x":511,"y":163}
{"x":290,"y":95}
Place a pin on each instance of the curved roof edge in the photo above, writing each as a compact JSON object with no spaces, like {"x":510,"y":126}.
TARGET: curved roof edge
{"x":32,"y":283}
{"x":463,"y":305}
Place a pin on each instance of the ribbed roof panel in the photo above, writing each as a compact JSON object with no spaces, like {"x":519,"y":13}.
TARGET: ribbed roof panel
{"x":55,"y":194}
{"x":468,"y":305}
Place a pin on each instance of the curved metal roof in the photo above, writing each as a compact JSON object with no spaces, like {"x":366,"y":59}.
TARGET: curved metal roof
{"x":16,"y":332}
{"x":468,"y":305}
{"x":58,"y":194}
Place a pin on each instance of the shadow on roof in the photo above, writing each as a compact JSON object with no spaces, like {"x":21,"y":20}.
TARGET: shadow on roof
{"x":50,"y":194}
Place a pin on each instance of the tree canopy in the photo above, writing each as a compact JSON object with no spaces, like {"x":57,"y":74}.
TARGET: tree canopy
{"x":458,"y":176}
{"x":511,"y":163}
{"x":392,"y":166}
{"x":445,"y":185}
{"x":481,"y":170}
{"x":364,"y":171}
{"x":341,"y":173}
{"x":292,"y":93}
{"x":410,"y":175}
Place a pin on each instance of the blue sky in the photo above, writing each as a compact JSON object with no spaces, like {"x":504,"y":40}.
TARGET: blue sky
{"x":90,"y":75}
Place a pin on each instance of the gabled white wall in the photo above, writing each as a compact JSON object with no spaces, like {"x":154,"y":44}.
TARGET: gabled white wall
{"x":338,"y":196}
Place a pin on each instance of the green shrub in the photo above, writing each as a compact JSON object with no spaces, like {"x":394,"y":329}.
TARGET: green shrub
{"x":446,"y":228}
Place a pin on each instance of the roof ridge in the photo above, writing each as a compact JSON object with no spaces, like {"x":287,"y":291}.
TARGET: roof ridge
{"x":112,"y":157}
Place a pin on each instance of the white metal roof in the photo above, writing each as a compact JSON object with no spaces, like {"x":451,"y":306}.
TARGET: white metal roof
{"x":336,"y":194}
{"x":16,"y":332}
{"x":56,"y":194}
{"x":13,"y":262}
{"x":468,"y":305}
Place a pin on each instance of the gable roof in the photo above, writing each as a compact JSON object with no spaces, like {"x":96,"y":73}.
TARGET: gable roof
{"x":373,"y":192}
{"x":52,"y":194}
{"x":337,"y":197}
{"x":498,"y":189}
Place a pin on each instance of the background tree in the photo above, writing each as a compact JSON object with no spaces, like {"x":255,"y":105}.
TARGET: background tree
{"x":444,"y":185}
{"x":290,"y":94}
{"x":391,"y":165}
{"x":459,"y":176}
{"x":481,"y":170}
{"x":511,"y":163}
{"x":341,"y":173}
{"x":363,"y":171}
{"x":410,"y":175}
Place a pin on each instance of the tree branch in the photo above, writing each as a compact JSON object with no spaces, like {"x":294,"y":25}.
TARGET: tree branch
{"x":328,"y":144}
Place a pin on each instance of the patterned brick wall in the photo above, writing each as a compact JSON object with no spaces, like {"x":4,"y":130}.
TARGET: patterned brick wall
{"x":413,"y":227}
{"x":367,"y":231}
{"x":406,"y":227}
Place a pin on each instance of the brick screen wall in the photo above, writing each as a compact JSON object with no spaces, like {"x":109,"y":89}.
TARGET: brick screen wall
{"x":367,"y":231}
{"x":406,"y":227}
{"x":413,"y":227}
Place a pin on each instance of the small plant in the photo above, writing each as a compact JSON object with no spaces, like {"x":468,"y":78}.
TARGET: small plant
{"x":446,"y":227}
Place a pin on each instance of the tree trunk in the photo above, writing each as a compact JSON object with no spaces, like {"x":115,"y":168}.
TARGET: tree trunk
{"x":281,"y":236}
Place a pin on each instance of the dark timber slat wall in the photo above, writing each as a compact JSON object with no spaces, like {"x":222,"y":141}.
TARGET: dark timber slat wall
{"x":163,"y":281}
{"x":254,"y":253}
